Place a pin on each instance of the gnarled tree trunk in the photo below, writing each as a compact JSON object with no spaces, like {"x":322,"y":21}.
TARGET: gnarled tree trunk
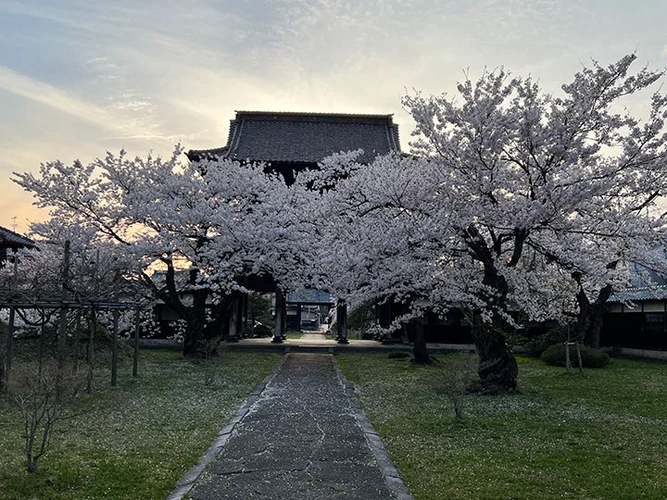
{"x":590,"y":316}
{"x":498,"y":369}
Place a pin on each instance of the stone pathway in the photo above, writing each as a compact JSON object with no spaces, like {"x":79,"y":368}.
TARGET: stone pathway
{"x":313,"y":337}
{"x":303,"y":436}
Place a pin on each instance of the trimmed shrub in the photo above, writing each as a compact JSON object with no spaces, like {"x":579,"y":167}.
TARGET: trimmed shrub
{"x":537,"y":344}
{"x":590,"y":358}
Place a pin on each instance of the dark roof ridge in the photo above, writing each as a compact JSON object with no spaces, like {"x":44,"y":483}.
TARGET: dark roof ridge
{"x":312,"y":114}
{"x":304,"y":137}
{"x":11,"y":239}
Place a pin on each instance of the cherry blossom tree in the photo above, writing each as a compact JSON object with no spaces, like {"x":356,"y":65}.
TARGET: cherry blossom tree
{"x":530,"y":182}
{"x":374,"y":241}
{"x":215,"y":220}
{"x":516,"y":204}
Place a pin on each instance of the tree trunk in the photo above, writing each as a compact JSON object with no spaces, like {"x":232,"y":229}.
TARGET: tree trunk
{"x":195,"y":343}
{"x":590,"y":316}
{"x":498,"y":369}
{"x":419,"y":350}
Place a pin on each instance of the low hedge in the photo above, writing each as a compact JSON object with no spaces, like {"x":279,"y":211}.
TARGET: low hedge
{"x":590,"y":358}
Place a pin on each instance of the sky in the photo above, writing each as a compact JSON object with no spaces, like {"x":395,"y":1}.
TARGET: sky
{"x":82,"y":77}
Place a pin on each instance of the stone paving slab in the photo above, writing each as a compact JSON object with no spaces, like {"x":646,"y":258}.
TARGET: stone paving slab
{"x":301,"y":436}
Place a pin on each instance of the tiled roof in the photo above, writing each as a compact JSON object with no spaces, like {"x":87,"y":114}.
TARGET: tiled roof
{"x":309,"y":296}
{"x":304,"y":137}
{"x":10,"y":239}
{"x":657,"y":292}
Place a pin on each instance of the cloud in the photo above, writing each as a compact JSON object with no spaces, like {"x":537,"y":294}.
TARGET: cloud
{"x":78,"y":77}
{"x":47,"y":94}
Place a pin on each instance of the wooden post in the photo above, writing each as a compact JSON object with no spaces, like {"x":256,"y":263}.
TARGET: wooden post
{"x":62,"y":329}
{"x":3,"y":359}
{"x":341,"y":322}
{"x":40,"y":349}
{"x":77,"y":335}
{"x":92,"y":331}
{"x":298,"y":317}
{"x":135,"y":363}
{"x":10,"y":344}
{"x":581,"y":364}
{"x":244,"y":316}
{"x":240,"y":319}
{"x":280,"y":313}
{"x":114,"y":349}
{"x":92,"y":326}
{"x":233,"y":321}
{"x":6,"y":362}
{"x":283,"y":323}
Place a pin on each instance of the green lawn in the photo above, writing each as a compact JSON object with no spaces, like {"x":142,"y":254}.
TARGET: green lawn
{"x":138,"y":438}
{"x":602,"y":435}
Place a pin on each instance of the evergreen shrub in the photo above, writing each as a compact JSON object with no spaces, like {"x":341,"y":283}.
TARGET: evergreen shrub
{"x":590,"y":358}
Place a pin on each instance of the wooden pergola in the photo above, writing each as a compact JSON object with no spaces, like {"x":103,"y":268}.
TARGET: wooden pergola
{"x":15,"y":301}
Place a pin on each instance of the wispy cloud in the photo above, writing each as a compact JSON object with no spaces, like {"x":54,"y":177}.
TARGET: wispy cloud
{"x":124,"y":116}
{"x":77,"y":76}
{"x":44,"y":93}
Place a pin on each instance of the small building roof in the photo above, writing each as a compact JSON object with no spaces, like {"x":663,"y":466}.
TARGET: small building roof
{"x":640,"y":294}
{"x":309,"y":296}
{"x":304,"y":138}
{"x":10,"y":239}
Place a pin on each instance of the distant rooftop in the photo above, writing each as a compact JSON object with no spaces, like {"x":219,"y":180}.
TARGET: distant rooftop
{"x":10,"y":239}
{"x":309,"y":296}
{"x":640,"y":294}
{"x":303,"y":138}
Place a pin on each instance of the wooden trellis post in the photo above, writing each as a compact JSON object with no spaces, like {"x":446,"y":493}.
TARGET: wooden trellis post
{"x":135,"y":363}
{"x":114,"y":348}
{"x":10,"y":344}
{"x":92,"y":331}
{"x":62,"y":330}
{"x":114,"y":339}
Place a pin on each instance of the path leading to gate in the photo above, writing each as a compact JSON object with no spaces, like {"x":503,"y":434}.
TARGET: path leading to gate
{"x":302,"y":435}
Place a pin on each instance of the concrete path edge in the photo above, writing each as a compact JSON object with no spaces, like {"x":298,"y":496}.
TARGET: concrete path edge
{"x":188,"y":480}
{"x":389,"y":472}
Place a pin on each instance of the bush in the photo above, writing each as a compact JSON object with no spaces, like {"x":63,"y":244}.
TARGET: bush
{"x":535,"y":345}
{"x":360,"y":320}
{"x":590,"y":358}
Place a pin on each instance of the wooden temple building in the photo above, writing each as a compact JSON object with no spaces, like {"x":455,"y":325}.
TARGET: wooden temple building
{"x":293,"y":142}
{"x":289,"y":143}
{"x":9,"y":240}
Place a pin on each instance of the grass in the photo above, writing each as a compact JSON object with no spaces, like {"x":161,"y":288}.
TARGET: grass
{"x":137,"y":439}
{"x":600,"y":435}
